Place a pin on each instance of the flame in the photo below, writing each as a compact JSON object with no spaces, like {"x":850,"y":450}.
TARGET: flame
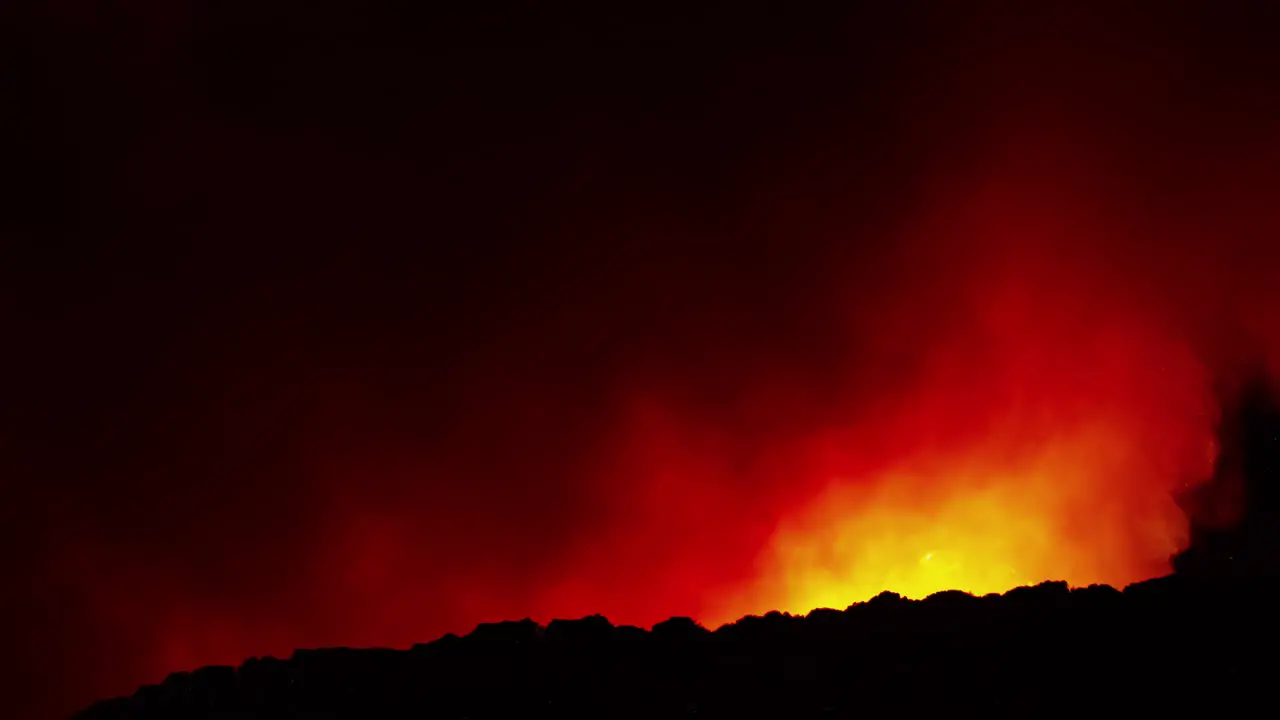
{"x":1043,"y":438}
{"x":989,"y":532}
{"x":978,"y":523}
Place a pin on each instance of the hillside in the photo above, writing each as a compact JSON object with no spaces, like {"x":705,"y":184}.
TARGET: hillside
{"x":1171,"y":644}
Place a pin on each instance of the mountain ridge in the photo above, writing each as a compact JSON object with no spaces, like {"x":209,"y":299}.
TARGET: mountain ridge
{"x":1081,"y":646}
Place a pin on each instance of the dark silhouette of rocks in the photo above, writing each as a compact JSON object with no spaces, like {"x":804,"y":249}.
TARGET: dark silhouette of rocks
{"x":1175,"y":644}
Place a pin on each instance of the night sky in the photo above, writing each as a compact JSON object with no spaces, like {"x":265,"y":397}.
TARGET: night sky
{"x":356,"y":324}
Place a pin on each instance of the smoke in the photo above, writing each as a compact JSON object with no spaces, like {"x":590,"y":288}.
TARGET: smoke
{"x":373,"y":339}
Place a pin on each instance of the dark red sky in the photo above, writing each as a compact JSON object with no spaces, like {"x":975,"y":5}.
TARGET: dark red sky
{"x":334,"y":326}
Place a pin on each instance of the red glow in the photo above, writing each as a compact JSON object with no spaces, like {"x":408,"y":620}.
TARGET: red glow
{"x":939,"y":304}
{"x":1040,"y":433}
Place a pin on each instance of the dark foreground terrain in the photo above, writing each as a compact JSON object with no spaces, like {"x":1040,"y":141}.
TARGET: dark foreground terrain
{"x":1172,"y":645}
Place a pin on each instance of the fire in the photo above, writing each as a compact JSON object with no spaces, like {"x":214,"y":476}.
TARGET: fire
{"x":981,"y":523}
{"x":986,"y":534}
{"x":1044,"y":438}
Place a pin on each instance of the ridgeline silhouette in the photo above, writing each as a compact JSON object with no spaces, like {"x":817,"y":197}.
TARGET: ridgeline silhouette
{"x":1198,"y":641}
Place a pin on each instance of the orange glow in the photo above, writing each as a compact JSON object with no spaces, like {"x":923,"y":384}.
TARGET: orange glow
{"x":939,"y":304}
{"x":1049,"y":418}
{"x":976,"y":524}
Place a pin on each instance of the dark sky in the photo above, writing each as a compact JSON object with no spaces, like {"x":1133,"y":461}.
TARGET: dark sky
{"x":357,"y":323}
